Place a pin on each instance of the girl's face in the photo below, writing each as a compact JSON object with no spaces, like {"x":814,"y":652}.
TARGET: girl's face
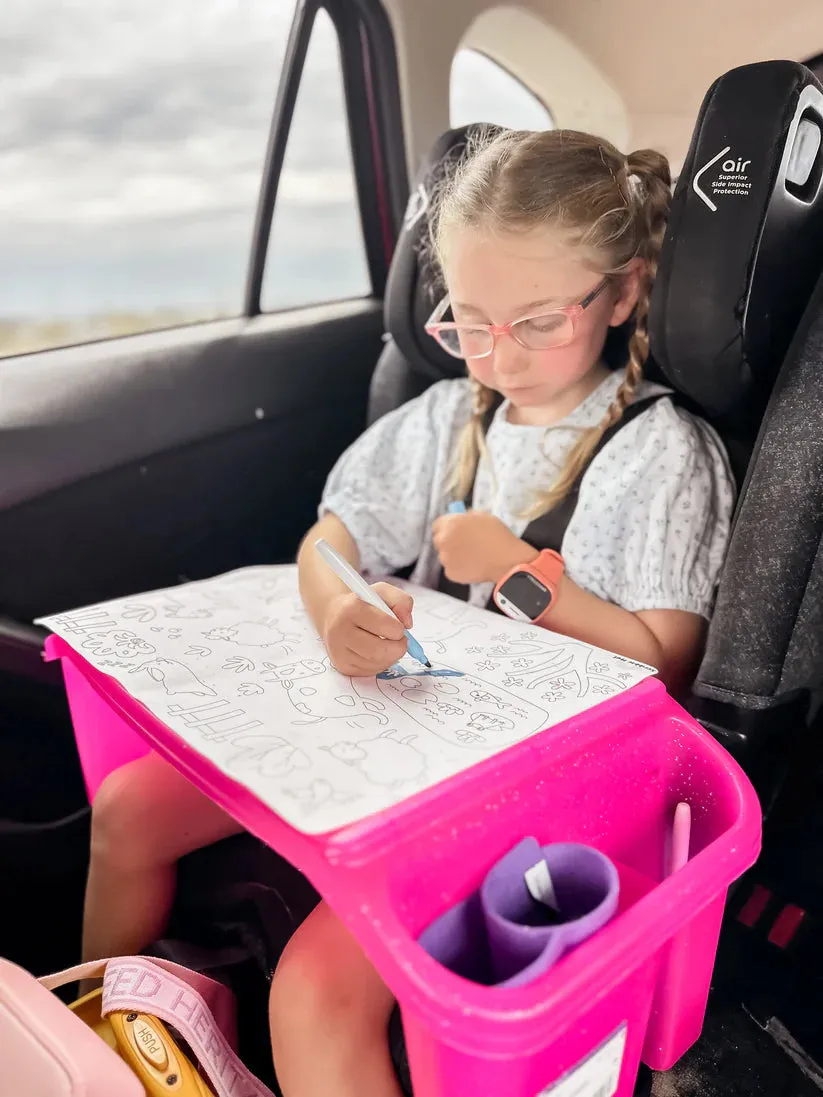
{"x":497,"y":278}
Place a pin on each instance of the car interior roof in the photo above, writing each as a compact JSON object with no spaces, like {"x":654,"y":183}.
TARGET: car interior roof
{"x":645,"y":66}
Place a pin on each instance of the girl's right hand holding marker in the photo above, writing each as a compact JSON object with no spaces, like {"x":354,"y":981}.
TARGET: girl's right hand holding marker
{"x":363,"y":641}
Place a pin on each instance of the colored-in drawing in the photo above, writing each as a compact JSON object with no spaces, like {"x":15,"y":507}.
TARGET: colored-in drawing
{"x":268,"y":755}
{"x":399,"y":671}
{"x":175,"y":677}
{"x":386,"y":760}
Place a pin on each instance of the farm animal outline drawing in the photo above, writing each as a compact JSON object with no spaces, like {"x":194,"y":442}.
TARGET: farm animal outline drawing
{"x":262,"y":633}
{"x":385,"y":761}
{"x":164,"y":671}
{"x":267,"y":755}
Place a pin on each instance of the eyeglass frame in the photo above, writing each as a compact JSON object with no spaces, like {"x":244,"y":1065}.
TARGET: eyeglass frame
{"x":572,"y":312}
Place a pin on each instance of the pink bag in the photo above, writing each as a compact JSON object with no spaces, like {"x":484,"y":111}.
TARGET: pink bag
{"x":46,"y":1050}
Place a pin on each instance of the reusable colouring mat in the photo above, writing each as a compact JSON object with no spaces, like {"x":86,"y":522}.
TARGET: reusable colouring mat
{"x":234,"y":666}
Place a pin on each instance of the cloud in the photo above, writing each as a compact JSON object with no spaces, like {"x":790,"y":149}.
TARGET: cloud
{"x":133,"y":137}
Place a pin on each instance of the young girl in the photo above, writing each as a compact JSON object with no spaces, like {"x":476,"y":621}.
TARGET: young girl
{"x":546,"y":241}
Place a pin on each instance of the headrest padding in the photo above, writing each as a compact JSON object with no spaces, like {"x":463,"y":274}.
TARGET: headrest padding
{"x":415,"y":285}
{"x":745,"y":237}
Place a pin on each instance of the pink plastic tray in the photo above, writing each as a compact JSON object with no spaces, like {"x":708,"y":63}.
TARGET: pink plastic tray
{"x":610,"y":778}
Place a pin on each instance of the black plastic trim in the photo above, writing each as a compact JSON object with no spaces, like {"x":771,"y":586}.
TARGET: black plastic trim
{"x":287,"y":89}
{"x":371,"y":87}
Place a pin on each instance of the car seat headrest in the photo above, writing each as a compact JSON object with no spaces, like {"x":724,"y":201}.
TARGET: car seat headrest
{"x":745,"y":237}
{"x":415,"y":284}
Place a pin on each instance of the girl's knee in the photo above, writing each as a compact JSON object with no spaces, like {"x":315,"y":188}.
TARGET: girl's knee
{"x":324,"y":981}
{"x":121,"y":828}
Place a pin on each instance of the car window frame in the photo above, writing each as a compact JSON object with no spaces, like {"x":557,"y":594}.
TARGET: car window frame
{"x":371,"y":91}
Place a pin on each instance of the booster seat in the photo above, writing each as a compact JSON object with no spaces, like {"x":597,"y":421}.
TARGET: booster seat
{"x":742,"y":255}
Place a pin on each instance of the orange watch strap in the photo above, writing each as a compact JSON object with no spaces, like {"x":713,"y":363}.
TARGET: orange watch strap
{"x":549,"y":567}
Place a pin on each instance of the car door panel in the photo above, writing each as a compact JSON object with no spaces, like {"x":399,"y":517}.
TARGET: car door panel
{"x":175,"y":459}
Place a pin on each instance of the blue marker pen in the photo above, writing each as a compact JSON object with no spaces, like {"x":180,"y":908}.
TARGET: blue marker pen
{"x":456,"y":508}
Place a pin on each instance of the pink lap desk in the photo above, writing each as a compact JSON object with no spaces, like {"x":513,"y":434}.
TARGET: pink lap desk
{"x":610,"y":778}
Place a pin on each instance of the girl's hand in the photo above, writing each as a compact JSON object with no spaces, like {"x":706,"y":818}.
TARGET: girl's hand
{"x":477,"y":547}
{"x":362,"y":640}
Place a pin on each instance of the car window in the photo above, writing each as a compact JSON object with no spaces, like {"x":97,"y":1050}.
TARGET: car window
{"x":316,"y":250}
{"x":483,"y":91}
{"x":131,"y":157}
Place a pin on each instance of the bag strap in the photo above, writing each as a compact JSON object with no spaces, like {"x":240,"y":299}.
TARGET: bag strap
{"x":548,"y":530}
{"x":199,"y":1008}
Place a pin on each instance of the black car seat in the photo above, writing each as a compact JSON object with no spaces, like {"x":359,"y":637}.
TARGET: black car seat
{"x":760,"y":252}
{"x":742,"y":255}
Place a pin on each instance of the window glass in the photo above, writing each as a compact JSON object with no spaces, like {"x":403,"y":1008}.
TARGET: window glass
{"x":483,"y":91}
{"x":132,"y":147}
{"x":132,"y":142}
{"x":316,"y":250}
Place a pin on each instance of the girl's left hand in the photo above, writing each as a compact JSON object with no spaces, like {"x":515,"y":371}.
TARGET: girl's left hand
{"x":477,"y":547}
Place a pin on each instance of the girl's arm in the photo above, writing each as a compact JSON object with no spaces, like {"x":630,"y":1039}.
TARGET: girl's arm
{"x":360,"y":639}
{"x":477,"y":547}
{"x":669,"y":639}
{"x":318,"y":583}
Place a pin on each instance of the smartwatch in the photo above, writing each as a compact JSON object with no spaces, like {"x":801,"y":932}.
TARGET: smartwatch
{"x":528,"y":591}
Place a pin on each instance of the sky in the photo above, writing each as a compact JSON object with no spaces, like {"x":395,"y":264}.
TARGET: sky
{"x":131,"y":151}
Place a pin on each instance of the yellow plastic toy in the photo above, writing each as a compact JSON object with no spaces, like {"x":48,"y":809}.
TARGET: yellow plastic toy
{"x":147,"y":1046}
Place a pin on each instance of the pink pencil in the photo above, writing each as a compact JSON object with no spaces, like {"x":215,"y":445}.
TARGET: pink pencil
{"x":681,"y":837}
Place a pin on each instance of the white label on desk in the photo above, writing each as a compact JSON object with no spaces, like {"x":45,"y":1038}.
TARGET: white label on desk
{"x":597,"y":1076}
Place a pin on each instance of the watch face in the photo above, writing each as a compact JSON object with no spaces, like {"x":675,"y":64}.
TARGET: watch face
{"x":523,"y":596}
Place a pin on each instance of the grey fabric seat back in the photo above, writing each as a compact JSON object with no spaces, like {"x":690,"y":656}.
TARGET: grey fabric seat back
{"x":765,"y":643}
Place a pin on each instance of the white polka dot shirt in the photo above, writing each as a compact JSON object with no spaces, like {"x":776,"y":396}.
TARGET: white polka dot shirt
{"x":652,"y":520}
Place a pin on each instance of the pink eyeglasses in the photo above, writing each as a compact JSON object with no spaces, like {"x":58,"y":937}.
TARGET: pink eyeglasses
{"x":541,"y":331}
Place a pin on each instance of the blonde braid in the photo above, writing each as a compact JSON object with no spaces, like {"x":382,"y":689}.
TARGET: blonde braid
{"x":651,"y":169}
{"x":471,"y":444}
{"x":645,"y":182}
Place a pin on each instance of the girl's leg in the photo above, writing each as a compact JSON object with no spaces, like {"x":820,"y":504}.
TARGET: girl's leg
{"x":329,"y":1013}
{"x":145,"y":817}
